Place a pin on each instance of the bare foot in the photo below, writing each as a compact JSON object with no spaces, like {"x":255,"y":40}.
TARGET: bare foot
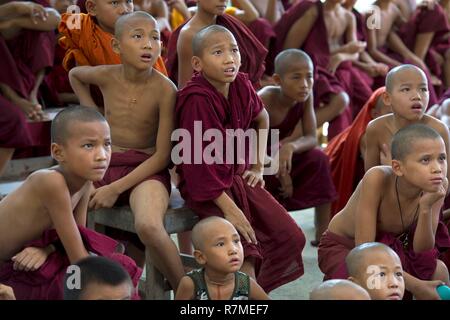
{"x":32,"y":110}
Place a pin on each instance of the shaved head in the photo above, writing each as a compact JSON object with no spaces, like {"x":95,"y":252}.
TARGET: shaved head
{"x":124,"y":21}
{"x":403,"y":140}
{"x":199,"y":230}
{"x":355,"y":260}
{"x":339,"y":289}
{"x":392,"y":75}
{"x":64,"y":120}
{"x":205,"y":38}
{"x":287,"y":58}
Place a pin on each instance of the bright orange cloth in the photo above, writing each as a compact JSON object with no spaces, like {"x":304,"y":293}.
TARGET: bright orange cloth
{"x":176,"y":19}
{"x":343,"y":152}
{"x":89,"y":45}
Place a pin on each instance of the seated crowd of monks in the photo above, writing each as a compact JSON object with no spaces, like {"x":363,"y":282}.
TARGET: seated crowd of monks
{"x":378,"y":81}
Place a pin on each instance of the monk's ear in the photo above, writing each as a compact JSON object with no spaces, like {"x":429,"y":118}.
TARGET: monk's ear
{"x":57,"y":152}
{"x":115,"y":45}
{"x":276,"y":77}
{"x":196,"y":63}
{"x":397,"y":167}
{"x":199,"y":257}
{"x":387,"y":98}
{"x":91,"y":7}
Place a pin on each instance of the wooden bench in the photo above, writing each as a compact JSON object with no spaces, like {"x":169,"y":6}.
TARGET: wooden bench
{"x":177,"y":219}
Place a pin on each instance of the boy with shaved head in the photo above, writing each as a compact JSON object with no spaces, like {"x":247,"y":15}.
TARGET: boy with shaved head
{"x":220,"y":99}
{"x":378,"y":269}
{"x":303,"y":179}
{"x":42,"y":223}
{"x":219,"y":250}
{"x":408,"y":96}
{"x":339,"y":289}
{"x":211,"y":12}
{"x":139,"y":103}
{"x":398,"y":205}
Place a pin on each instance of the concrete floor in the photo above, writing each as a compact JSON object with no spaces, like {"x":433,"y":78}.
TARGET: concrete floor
{"x":300,"y":288}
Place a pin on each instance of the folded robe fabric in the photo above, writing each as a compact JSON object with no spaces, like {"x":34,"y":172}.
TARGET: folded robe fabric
{"x":46,"y":283}
{"x":277,"y":255}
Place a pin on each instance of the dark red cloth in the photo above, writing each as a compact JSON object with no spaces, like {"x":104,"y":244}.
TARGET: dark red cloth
{"x":46,"y":283}
{"x":122,"y":163}
{"x":334,"y":248}
{"x":253,"y":52}
{"x":310,"y":173}
{"x":263,"y":31}
{"x":20,"y":58}
{"x":346,"y":78}
{"x":344,"y":154}
{"x":280,"y":241}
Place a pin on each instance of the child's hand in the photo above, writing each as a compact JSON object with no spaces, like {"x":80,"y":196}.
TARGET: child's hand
{"x":427,"y":290}
{"x":103,"y":197}
{"x":242,"y":225}
{"x":30,"y":259}
{"x":355,"y":47}
{"x":285,"y":160}
{"x":287,"y":188}
{"x":254,"y":176}
{"x":35,"y":11}
{"x":382,"y":69}
{"x":428,"y":199}
{"x":6,"y":293}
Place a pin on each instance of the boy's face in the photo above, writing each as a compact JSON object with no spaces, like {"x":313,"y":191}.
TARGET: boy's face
{"x":215,"y":7}
{"x":101,"y":291}
{"x":108,"y":11}
{"x":426,"y":165}
{"x":297,"y":82}
{"x":409,"y":95}
{"x":220,"y":60}
{"x":139,"y":44}
{"x":87,"y":150}
{"x":221,"y":249}
{"x":382,"y":276}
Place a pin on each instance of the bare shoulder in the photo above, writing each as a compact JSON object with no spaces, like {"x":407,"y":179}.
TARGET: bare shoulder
{"x":378,"y":124}
{"x":185,"y":289}
{"x":377,"y":176}
{"x":268,"y":95}
{"x":164,"y":83}
{"x":435,"y":123}
{"x":47,"y":179}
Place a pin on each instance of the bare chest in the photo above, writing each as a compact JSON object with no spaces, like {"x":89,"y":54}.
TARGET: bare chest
{"x":336,"y":25}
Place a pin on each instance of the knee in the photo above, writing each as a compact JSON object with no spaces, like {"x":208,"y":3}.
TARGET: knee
{"x":340,"y":101}
{"x":149,"y":231}
{"x":441,"y":272}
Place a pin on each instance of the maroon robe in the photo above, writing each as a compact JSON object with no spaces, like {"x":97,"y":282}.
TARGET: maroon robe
{"x":333,"y":250}
{"x":46,"y":283}
{"x":253,"y":53}
{"x":20,"y":58}
{"x":310,"y":173}
{"x":346,"y":79}
{"x":277,"y":255}
{"x":57,"y":81}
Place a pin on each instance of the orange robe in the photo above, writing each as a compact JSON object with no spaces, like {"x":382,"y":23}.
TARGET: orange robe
{"x":344,"y":154}
{"x":89,"y":45}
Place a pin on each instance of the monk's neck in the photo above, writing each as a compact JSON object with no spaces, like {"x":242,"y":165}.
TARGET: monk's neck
{"x":284,"y":101}
{"x":205,"y":18}
{"x":400,"y":123}
{"x":74,"y":183}
{"x":406,"y":191}
{"x":105,"y":28}
{"x":218,"y":279}
{"x":330,"y":6}
{"x":222,"y":87}
{"x":134,"y":75}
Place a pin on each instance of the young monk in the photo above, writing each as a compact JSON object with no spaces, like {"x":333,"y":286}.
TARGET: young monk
{"x":87,"y":37}
{"x":235,"y":189}
{"x":211,"y":12}
{"x":327,"y":32}
{"x":347,"y":150}
{"x":218,"y":249}
{"x":378,"y":269}
{"x":339,"y":289}
{"x":41,"y":236}
{"x":387,"y":47}
{"x":398,"y":205}
{"x":26,"y":53}
{"x":100,"y":279}
{"x":303,"y":179}
{"x":407,"y":95}
{"x":141,"y":124}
